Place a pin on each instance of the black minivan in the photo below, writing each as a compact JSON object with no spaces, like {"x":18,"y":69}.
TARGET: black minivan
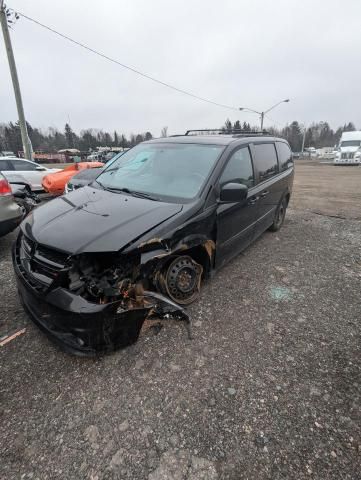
{"x":139,"y":241}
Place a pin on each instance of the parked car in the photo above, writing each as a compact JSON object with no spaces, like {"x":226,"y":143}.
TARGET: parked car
{"x":32,"y":172}
{"x":7,"y":153}
{"x":10,"y":212}
{"x":55,"y":183}
{"x":23,"y":195}
{"x":95,"y":157}
{"x":83,"y":178}
{"x":92,"y":265}
{"x":87,"y":176}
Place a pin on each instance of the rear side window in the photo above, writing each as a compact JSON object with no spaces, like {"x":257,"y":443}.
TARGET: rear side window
{"x":239,"y":169}
{"x":4,"y":165}
{"x":284,"y":156}
{"x":266,"y":160}
{"x":21,"y":166}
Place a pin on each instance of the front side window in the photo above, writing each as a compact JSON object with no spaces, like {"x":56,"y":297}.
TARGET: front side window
{"x":266,"y":160}
{"x":284,"y":156}
{"x":21,"y":166}
{"x":239,"y":169}
{"x":164,"y":171}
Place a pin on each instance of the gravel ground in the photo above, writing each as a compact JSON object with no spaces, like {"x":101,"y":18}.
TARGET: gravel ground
{"x":269,"y":387}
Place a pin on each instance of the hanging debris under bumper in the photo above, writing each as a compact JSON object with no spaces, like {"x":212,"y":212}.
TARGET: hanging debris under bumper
{"x":84,"y":328}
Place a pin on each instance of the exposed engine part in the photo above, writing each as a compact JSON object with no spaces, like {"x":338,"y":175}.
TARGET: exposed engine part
{"x":181,"y":280}
{"x":99,"y":280}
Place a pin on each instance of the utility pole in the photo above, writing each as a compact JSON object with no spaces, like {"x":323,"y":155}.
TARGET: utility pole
{"x":304,"y":137}
{"x":14,"y":76}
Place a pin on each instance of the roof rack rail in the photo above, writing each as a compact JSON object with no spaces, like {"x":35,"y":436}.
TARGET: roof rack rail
{"x":221,"y":131}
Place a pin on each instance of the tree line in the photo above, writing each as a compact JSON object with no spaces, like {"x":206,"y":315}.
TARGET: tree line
{"x":52,"y":140}
{"x":318,"y":134}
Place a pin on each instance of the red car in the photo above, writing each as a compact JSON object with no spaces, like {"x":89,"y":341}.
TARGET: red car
{"x":54,"y":183}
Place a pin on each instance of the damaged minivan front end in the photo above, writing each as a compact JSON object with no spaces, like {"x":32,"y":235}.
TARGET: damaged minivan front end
{"x":98,"y":302}
{"x":91,"y":302}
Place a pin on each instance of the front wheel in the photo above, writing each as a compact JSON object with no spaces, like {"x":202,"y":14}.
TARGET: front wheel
{"x":280,"y":216}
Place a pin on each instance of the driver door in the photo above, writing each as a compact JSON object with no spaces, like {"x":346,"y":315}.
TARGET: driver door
{"x":236,"y":221}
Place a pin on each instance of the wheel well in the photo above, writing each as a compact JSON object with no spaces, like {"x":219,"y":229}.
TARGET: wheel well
{"x":198,"y":253}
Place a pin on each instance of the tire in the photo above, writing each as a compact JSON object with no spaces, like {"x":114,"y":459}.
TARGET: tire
{"x":181,"y":280}
{"x":279,"y":216}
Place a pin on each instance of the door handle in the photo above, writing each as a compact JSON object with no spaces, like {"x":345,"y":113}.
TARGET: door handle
{"x":263,"y":194}
{"x":253,"y":200}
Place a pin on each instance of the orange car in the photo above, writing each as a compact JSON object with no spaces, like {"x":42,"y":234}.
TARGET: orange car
{"x":54,"y":183}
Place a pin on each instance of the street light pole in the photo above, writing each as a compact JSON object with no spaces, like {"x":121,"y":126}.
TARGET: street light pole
{"x":14,"y":76}
{"x":263,"y":113}
{"x":262,"y":119}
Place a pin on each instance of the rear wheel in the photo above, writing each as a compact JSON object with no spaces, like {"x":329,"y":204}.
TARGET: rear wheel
{"x":280,"y":216}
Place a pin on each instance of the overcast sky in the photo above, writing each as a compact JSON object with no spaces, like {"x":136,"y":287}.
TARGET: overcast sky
{"x":236,"y":52}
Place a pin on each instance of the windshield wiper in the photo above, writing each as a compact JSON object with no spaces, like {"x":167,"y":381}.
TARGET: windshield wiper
{"x":134,"y":193}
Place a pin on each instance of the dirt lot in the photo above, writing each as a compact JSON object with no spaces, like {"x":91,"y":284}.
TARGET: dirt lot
{"x":329,"y":189}
{"x":269,"y":388}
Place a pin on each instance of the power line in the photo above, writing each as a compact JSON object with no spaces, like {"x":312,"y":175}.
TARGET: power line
{"x":138,"y":72}
{"x":274,"y":121}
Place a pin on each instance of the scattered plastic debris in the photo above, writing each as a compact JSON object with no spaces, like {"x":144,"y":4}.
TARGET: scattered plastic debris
{"x":281,"y":293}
{"x":9,"y":337}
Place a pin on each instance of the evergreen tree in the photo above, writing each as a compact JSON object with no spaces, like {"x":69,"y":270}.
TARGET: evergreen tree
{"x":69,"y":136}
{"x":350,"y":127}
{"x":148,"y":136}
{"x":116,"y":141}
{"x":228,"y":125}
{"x":139,"y":138}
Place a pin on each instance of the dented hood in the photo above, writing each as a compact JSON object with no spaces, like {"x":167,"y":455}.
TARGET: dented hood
{"x":93,"y":220}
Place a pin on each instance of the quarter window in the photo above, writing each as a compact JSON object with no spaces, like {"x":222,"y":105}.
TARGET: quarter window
{"x":4,"y":165}
{"x":284,"y":156}
{"x":21,"y":166}
{"x":239,"y":169}
{"x":266,"y":159}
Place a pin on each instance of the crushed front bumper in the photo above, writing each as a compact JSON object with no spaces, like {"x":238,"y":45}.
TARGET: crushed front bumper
{"x":84,"y":328}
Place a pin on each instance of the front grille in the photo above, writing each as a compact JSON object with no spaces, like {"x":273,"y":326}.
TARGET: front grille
{"x":38,"y":264}
{"x":347,"y":155}
{"x":50,"y":256}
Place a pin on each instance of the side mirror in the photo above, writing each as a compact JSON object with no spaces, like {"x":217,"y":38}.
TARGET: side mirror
{"x":233,"y":192}
{"x":39,"y":168}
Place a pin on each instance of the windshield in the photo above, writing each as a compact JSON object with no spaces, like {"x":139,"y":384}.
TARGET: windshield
{"x":351,"y":143}
{"x":165,"y":171}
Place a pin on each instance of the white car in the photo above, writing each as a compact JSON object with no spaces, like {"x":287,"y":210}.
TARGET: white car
{"x":32,"y":172}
